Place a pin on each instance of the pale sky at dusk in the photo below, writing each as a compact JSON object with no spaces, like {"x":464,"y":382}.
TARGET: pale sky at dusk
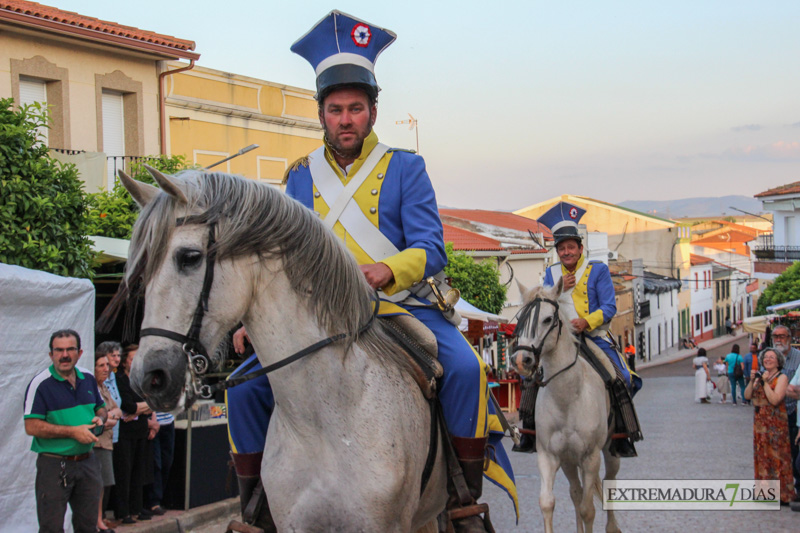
{"x":518,"y":102}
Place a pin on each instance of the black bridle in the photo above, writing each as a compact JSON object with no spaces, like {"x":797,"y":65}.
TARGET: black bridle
{"x":525,"y":322}
{"x":197,"y":354}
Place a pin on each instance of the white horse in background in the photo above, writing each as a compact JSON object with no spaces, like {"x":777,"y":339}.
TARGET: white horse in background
{"x":572,"y":408}
{"x":348,"y":439}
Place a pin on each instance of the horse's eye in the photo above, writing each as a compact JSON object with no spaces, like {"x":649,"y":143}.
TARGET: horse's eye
{"x":187,"y":259}
{"x":547,"y":320}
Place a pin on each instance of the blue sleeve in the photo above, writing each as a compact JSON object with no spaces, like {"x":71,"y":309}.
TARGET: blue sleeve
{"x":604,"y":291}
{"x":548,"y":277}
{"x":300,"y":187}
{"x":421,"y":226}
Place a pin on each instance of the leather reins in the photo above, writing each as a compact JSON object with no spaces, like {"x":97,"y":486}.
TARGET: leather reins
{"x":523,"y":324}
{"x":197,"y":354}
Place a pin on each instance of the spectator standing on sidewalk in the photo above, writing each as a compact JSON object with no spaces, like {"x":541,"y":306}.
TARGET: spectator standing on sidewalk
{"x":793,"y":391}
{"x":782,"y":342}
{"x":63,"y":410}
{"x":750,"y":364}
{"x":103,"y":448}
{"x":701,"y":376}
{"x":735,"y":372}
{"x":723,"y":384}
{"x":163,"y":452}
{"x":771,"y":451}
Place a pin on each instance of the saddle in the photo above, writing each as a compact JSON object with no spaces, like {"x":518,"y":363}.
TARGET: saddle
{"x":419,"y":344}
{"x":627,"y":420}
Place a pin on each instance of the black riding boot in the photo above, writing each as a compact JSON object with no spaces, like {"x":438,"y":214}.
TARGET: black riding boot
{"x":255,"y":509}
{"x":465,"y":515}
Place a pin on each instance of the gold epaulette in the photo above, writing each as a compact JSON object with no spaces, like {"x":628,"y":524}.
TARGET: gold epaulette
{"x":302,"y":162}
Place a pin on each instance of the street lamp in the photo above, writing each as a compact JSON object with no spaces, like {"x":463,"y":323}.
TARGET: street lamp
{"x":412,"y":125}
{"x":237,"y":154}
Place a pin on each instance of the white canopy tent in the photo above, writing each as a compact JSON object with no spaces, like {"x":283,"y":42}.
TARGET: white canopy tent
{"x":33,"y":304}
{"x":467,"y":310}
{"x":757,"y":324}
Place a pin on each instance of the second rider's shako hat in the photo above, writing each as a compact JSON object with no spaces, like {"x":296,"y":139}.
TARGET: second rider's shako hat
{"x":342,"y":50}
{"x":562,"y":219}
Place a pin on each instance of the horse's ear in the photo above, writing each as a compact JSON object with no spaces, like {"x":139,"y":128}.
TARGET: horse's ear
{"x":523,"y":290}
{"x":141,"y":192}
{"x":167,"y":184}
{"x":559,"y":287}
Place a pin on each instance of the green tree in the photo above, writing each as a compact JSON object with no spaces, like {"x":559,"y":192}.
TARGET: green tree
{"x":113,"y":213}
{"x":785,"y":288}
{"x":42,"y":203}
{"x":479,"y":282}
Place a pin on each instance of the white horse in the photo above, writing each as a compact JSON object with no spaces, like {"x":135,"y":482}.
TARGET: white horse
{"x":572,"y":408}
{"x":348,"y":439}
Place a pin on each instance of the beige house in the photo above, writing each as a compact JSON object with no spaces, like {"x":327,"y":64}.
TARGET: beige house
{"x":211,"y":115}
{"x":100,"y":80}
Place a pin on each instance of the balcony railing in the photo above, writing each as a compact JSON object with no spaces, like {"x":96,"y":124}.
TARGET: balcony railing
{"x":777,"y":253}
{"x":113,"y":162}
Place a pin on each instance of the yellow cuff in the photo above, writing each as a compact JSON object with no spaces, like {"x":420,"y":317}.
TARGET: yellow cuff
{"x":594,"y":319}
{"x":408,"y":268}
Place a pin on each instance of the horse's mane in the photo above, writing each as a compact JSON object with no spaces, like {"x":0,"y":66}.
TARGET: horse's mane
{"x":256,"y":219}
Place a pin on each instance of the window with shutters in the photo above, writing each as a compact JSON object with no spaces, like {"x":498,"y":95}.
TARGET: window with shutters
{"x":113,"y":132}
{"x":31,"y":91}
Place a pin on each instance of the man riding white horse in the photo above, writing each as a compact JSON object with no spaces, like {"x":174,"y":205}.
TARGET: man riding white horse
{"x":588,"y":298}
{"x":380,"y":201}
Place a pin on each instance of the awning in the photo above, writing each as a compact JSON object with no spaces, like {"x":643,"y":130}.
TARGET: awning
{"x":111,"y":250}
{"x":757,"y":324}
{"x":794,"y":304}
{"x":467,"y":310}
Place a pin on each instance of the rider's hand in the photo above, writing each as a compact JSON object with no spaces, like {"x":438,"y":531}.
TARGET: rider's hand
{"x":580,"y":324}
{"x":238,"y":340}
{"x":378,"y":274}
{"x":569,"y":281}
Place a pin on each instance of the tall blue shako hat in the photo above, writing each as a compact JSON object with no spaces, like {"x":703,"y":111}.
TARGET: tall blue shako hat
{"x":562,"y":219}
{"x":343,"y":50}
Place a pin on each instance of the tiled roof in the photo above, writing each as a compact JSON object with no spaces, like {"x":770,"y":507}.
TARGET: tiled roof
{"x":54,"y":19}
{"x":499,"y":218}
{"x":695,"y":259}
{"x":727,"y":237}
{"x":466,"y":240}
{"x":789,"y":188}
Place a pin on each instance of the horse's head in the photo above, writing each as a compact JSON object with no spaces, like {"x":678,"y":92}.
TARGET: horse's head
{"x":540,"y":325}
{"x":191,"y":299}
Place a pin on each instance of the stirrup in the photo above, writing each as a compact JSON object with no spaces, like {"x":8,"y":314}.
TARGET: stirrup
{"x":459,"y":513}
{"x":239,"y":527}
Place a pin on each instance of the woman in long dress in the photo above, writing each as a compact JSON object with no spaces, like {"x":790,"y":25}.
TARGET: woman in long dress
{"x":771,"y":452}
{"x":701,"y":376}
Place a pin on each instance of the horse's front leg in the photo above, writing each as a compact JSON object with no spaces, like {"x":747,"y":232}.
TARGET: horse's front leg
{"x":591,"y":486}
{"x":612,"y":468}
{"x":548,"y":466}
{"x":575,"y":491}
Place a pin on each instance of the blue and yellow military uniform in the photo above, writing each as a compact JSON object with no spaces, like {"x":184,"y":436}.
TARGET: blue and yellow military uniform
{"x":398,"y":198}
{"x":593,"y":296}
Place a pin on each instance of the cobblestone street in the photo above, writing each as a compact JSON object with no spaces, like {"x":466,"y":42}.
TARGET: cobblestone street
{"x":683,"y":440}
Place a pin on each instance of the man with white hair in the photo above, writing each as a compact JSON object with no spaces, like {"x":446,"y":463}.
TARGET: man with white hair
{"x":782,"y":341}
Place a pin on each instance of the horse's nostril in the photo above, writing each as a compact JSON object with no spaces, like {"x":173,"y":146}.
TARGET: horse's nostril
{"x":527,"y":361}
{"x":156,"y":380}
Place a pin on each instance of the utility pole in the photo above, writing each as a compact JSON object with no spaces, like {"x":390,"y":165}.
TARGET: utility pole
{"x":412,"y":125}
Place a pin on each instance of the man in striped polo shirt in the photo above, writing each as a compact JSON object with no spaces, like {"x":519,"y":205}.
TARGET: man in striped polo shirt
{"x":63,"y":411}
